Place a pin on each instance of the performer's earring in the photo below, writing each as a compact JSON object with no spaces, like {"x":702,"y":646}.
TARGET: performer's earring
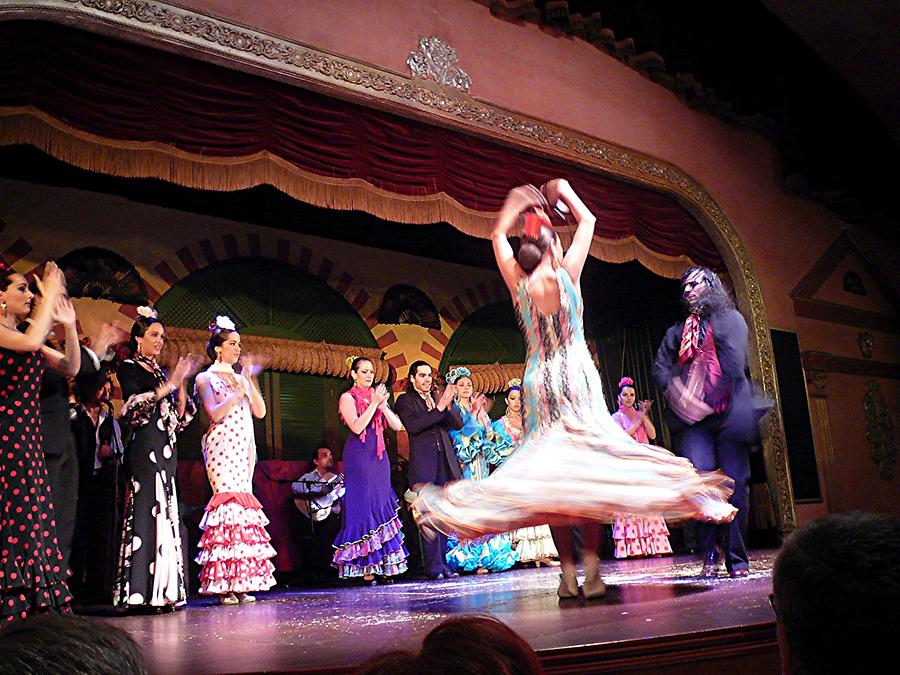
{"x":3,"y":308}
{"x":218,"y":355}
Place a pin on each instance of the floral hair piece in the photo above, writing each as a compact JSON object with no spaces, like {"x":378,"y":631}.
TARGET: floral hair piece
{"x":534,"y":221}
{"x":221,"y":322}
{"x":626,"y":382}
{"x":147,"y":312}
{"x":514,"y":383}
{"x":350,"y":359}
{"x":456,"y":373}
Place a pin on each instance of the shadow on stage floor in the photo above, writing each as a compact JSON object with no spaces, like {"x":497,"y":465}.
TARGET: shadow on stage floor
{"x":657,"y":615}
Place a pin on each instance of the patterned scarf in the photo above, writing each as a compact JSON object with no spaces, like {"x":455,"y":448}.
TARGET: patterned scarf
{"x":362,"y":396}
{"x":691,"y":339}
{"x":154,"y":368}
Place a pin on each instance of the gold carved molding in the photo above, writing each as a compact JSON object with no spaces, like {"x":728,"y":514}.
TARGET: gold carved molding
{"x":289,"y":356}
{"x":168,"y":26}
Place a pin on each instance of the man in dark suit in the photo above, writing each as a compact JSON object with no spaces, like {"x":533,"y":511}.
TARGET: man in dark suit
{"x":431,"y":455}
{"x":712,"y":411}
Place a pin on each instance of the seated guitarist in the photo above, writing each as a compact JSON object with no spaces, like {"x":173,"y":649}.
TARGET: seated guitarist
{"x":318,"y":496}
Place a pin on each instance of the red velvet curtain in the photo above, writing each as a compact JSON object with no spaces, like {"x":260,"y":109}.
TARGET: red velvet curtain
{"x":118,"y":90}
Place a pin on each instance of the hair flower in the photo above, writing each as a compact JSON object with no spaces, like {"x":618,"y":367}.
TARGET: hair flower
{"x":456,"y":373}
{"x":147,"y":312}
{"x":221,"y":323}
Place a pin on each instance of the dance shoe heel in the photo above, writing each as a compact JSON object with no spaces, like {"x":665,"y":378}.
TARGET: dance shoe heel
{"x":229,"y":599}
{"x":594,"y":586}
{"x":568,"y":587}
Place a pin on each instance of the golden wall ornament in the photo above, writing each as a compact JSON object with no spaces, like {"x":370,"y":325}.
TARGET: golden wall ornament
{"x":289,"y":356}
{"x":168,"y":26}
{"x":436,"y":59}
{"x":879,"y":431}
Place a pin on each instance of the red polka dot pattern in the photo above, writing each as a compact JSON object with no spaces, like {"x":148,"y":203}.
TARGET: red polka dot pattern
{"x":32,"y":572}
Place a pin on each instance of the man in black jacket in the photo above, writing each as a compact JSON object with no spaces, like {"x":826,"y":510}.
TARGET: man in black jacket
{"x":712,"y":413}
{"x":431,"y":455}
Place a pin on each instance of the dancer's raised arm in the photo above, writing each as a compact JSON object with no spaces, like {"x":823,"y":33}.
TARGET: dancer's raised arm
{"x":518,"y":200}
{"x":577,"y":253}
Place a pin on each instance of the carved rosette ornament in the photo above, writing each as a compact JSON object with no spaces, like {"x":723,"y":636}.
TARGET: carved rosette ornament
{"x":879,"y":431}
{"x":817,"y":381}
{"x":436,"y":59}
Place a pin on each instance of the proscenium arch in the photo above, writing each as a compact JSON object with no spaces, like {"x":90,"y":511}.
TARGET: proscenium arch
{"x":271,"y":298}
{"x":376,"y":87}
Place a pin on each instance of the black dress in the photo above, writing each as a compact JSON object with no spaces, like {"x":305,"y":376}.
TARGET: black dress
{"x":32,"y":570}
{"x":151,"y":569}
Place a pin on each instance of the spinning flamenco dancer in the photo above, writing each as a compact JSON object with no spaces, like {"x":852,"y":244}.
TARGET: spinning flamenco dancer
{"x":570,"y":437}
{"x":235,"y":545}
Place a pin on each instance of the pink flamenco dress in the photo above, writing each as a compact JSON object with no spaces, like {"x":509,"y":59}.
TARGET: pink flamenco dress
{"x":574,"y":462}
{"x":234,"y":550}
{"x":638,"y":536}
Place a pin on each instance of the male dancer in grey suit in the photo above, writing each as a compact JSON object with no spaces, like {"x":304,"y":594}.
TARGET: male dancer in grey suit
{"x":431,"y":455}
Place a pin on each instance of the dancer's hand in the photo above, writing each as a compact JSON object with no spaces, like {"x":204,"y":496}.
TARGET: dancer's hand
{"x":518,"y":200}
{"x":644,"y":407}
{"x":64,"y":312}
{"x":447,"y":397}
{"x":380,"y":395}
{"x":52,"y":284}
{"x":252,"y":365}
{"x":186,"y":366}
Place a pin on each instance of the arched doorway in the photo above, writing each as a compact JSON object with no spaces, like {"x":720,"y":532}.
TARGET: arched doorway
{"x":274,"y":299}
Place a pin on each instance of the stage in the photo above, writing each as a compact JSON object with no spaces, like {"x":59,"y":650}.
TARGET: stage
{"x":657,"y":615}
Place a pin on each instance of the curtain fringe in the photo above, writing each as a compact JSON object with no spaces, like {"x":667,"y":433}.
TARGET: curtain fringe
{"x":149,"y":159}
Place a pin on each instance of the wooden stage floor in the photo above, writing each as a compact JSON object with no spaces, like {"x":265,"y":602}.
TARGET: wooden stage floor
{"x":656,"y":615}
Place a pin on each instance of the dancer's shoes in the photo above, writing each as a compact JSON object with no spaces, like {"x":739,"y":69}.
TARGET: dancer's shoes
{"x":549,"y":562}
{"x":711,"y":563}
{"x":246,"y":597}
{"x":739,"y":573}
{"x":593,"y":586}
{"x":568,"y":586}
{"x":230,"y":599}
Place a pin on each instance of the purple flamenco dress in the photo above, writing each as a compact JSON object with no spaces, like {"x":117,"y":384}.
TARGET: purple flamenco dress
{"x":371,"y":540}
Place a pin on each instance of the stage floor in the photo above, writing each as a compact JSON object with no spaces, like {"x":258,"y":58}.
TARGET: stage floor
{"x":327,"y":628}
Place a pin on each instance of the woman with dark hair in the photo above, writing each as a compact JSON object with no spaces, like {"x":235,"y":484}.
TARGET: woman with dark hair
{"x":533,"y":543}
{"x":637,"y":536}
{"x":571,"y":440}
{"x":478,"y":446}
{"x":157,"y":407}
{"x":32,"y":569}
{"x":370,"y":542}
{"x":235,"y":548}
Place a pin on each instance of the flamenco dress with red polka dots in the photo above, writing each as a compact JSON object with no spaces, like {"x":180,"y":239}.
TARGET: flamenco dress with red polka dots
{"x":32,"y":571}
{"x":234,"y":550}
{"x":151,"y":568}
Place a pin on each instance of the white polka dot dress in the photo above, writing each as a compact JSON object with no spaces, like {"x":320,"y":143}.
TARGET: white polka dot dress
{"x":234,"y":550}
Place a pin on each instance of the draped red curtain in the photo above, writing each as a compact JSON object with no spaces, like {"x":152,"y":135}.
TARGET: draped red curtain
{"x":126,"y":92}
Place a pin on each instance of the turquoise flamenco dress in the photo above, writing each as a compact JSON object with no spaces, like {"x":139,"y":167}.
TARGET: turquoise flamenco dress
{"x":477,"y":448}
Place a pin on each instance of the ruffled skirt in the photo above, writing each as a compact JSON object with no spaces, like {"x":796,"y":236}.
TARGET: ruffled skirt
{"x":367,"y":548}
{"x":493,"y":553}
{"x":599,"y":474}
{"x":534,"y":543}
{"x":234,"y":550}
{"x":638,"y":536}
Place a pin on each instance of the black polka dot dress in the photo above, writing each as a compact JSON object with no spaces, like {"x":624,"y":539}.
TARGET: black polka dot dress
{"x":32,"y":570}
{"x":151,"y":568}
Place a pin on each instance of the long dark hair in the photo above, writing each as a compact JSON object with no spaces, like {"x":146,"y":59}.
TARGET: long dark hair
{"x":141,"y":324}
{"x":6,"y":273}
{"x":715,"y":299}
{"x":533,"y":248}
